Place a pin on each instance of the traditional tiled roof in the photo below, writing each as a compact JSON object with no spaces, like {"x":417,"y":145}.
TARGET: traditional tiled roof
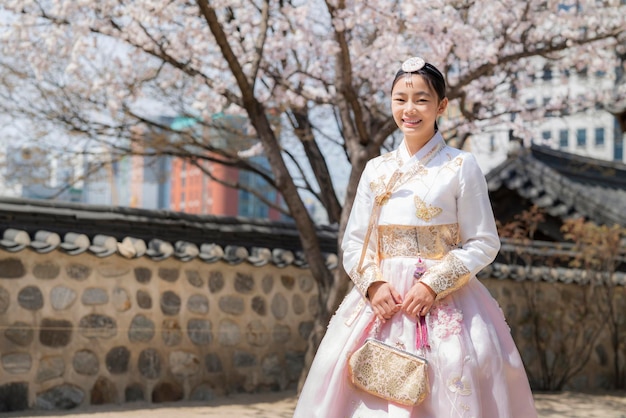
{"x":546,"y":261}
{"x":46,"y":226}
{"x":565,"y":185}
{"x":542,"y":273}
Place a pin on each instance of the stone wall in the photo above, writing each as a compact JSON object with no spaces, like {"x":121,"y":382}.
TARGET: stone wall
{"x":77,"y":330}
{"x":560,"y":328}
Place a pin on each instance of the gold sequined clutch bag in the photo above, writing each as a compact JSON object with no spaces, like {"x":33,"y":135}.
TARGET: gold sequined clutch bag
{"x":389,"y":373}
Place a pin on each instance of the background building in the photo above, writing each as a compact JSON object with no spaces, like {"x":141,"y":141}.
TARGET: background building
{"x":575,"y":127}
{"x":148,"y":179}
{"x":195,"y":191}
{"x":32,"y":172}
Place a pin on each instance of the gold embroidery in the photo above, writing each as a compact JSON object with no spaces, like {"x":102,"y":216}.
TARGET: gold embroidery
{"x":425,"y":211}
{"x":383,"y":191}
{"x":369,"y":274}
{"x":447,"y":276}
{"x":417,"y":169}
{"x":378,"y":186}
{"x":390,"y":155}
{"x":400,"y":240}
{"x":458,"y":161}
{"x":363,"y":276}
{"x":400,"y":378}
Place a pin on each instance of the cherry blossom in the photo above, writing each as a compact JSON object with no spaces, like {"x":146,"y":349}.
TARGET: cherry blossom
{"x":311,"y":73}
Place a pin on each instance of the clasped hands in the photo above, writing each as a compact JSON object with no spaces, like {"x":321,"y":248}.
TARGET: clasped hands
{"x":386,"y":301}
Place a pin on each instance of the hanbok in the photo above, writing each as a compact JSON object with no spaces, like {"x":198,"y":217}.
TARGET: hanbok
{"x":438,"y":212}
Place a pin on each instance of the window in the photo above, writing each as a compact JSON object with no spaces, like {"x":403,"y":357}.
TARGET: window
{"x":563,"y":138}
{"x":249,"y":205}
{"x":492,"y":143}
{"x":547,"y":74}
{"x":546,"y":136}
{"x":581,"y":137}
{"x":618,"y":150}
{"x":599,"y":137}
{"x":546,"y":105}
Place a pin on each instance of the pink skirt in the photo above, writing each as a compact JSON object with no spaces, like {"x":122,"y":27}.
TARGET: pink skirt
{"x":475,"y":369}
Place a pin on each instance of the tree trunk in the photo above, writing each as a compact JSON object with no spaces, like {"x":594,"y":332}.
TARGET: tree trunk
{"x":331,"y":298}
{"x":329,"y":302}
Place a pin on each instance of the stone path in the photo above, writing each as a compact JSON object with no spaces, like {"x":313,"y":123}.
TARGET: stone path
{"x":281,"y":405}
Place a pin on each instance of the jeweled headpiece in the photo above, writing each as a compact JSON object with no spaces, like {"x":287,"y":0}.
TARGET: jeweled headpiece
{"x":417,"y":65}
{"x":411,"y":65}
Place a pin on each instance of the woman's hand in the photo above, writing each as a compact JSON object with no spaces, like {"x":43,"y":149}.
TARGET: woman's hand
{"x":419,"y":299}
{"x":385,"y":300}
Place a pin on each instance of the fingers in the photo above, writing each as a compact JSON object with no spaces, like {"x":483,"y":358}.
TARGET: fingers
{"x":418,"y":301}
{"x":382,"y":315}
{"x":385,"y":302}
{"x":423,"y":310}
{"x":386,"y":309}
{"x":397,"y":297}
{"x":419,"y":309}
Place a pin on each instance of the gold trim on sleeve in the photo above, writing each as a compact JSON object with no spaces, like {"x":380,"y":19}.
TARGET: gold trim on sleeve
{"x":447,"y":276}
{"x":364,"y":277}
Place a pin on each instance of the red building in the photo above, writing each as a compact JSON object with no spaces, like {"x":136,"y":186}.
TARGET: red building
{"x":195,"y":192}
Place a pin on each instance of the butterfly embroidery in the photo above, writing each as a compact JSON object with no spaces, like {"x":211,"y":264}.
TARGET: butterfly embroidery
{"x":424,"y":211}
{"x":378,"y":186}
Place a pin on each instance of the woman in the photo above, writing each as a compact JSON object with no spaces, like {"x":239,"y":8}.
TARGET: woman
{"x":433,"y":230}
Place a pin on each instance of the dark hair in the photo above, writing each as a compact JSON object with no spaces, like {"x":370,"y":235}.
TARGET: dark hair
{"x":433,"y":78}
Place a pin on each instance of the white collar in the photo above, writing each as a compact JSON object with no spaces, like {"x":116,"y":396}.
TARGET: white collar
{"x":403,"y":151}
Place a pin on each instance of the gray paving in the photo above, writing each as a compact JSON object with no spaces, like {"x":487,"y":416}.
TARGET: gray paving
{"x":281,"y":405}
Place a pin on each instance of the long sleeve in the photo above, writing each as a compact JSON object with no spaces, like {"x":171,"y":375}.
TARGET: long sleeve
{"x":354,"y":237}
{"x":478,"y":233}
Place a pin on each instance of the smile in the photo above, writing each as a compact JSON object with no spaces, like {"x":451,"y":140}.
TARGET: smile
{"x":411,"y":121}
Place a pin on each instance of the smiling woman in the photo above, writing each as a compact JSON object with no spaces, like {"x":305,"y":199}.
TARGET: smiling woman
{"x":420,"y":229}
{"x":415,"y":108}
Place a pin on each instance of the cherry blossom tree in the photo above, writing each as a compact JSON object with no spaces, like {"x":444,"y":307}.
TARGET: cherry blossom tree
{"x":310,"y":78}
{"x":599,"y":250}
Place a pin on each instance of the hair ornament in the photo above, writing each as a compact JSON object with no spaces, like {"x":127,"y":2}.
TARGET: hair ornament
{"x":413,"y":64}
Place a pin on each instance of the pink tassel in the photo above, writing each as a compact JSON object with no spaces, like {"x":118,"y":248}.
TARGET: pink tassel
{"x":420,"y":268}
{"x":422,"y":333}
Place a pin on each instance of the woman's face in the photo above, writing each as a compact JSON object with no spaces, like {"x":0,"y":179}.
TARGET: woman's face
{"x":415,"y":108}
